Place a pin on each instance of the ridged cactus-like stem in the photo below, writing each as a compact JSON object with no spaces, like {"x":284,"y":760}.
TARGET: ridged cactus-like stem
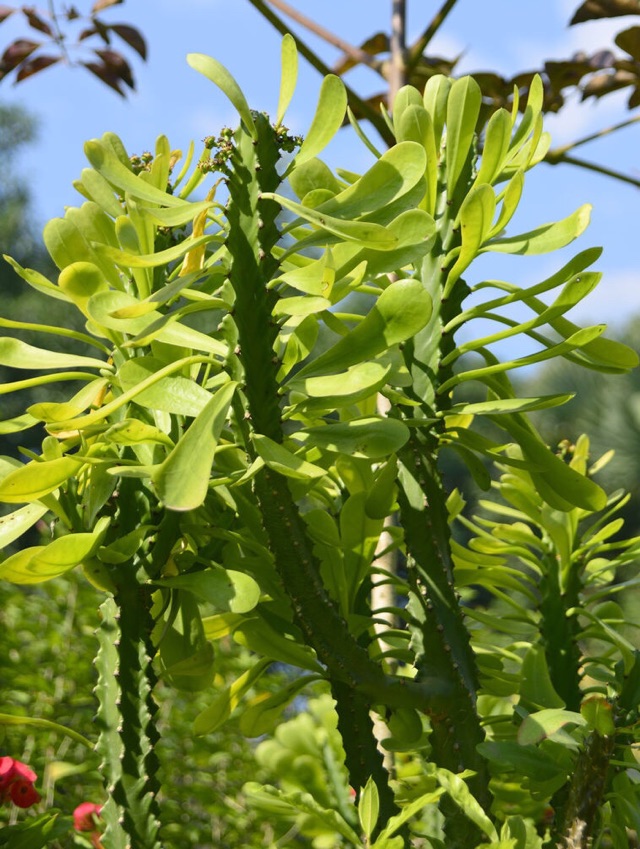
{"x":126,"y":716}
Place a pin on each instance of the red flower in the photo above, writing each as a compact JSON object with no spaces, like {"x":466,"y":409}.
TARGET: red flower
{"x":16,"y":783}
{"x":84,"y":819}
{"x":84,"y":816}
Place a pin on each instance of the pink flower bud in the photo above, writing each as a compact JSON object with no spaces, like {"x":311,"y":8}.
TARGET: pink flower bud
{"x":84,"y":816}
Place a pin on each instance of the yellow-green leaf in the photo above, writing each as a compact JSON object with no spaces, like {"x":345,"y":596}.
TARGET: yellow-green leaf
{"x":35,"y":479}
{"x":182,"y":480}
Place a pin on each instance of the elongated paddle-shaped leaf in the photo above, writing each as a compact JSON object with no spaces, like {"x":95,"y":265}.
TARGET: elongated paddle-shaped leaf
{"x":330,"y":112}
{"x":112,"y":169}
{"x":218,"y":74}
{"x":36,"y":479}
{"x":546,"y":238}
{"x":402,"y":310}
{"x":183,"y":478}
{"x":289,"y":75}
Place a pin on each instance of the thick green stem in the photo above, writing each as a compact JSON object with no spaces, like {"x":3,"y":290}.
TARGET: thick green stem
{"x":126,"y":718}
{"x":357,"y":680}
{"x":586,"y":792}
{"x":362,"y":757}
{"x":560,"y":633}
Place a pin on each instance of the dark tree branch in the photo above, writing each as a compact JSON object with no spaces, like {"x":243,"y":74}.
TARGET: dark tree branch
{"x":557,"y":159}
{"x":356,"y":53}
{"x":418,"y":48}
{"x":314,"y":60}
{"x":397,"y":69}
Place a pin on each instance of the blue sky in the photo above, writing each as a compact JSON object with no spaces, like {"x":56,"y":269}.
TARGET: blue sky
{"x":505,"y":35}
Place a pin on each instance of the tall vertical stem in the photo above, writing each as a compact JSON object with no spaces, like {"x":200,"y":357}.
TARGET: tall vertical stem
{"x":398,"y":71}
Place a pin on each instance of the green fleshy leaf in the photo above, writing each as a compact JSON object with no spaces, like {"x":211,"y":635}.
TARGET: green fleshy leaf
{"x":13,"y":525}
{"x":435,"y":98}
{"x":223,"y":705}
{"x":328,"y":118}
{"x":461,"y":795}
{"x":35,"y":479}
{"x":120,"y":550}
{"x":172,"y":394}
{"x":106,"y":163}
{"x":369,"y":807}
{"x":36,"y":280}
{"x":397,"y":171}
{"x":182,"y":480}
{"x":365,"y":233}
{"x":105,"y":410}
{"x":278,"y":458}
{"x":463,"y":108}
{"x":225,"y":589}
{"x":261,"y":638}
{"x":264,"y":712}
{"x":300,"y":306}
{"x":476,"y":219}
{"x":348,"y":387}
{"x":311,"y":176}
{"x":289,"y":75}
{"x":79,"y":281}
{"x":43,"y":562}
{"x":544,"y":723}
{"x":99,"y":190}
{"x":402,"y":310}
{"x":17,"y":424}
{"x":126,"y":259}
{"x":135,"y":432}
{"x":50,"y":411}
{"x":416,"y":125}
{"x":546,"y":238}
{"x":17,"y":354}
{"x":537,"y":692}
{"x":46,"y":725}
{"x":511,"y":197}
{"x":372,"y":438}
{"x":568,"y":484}
{"x":175,"y":216}
{"x":496,"y":146}
{"x":598,"y":714}
{"x":103,"y":306}
{"x":508,"y":405}
{"x":219,"y":76}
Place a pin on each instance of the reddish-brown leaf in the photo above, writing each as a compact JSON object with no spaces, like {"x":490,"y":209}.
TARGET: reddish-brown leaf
{"x":72,"y":13}
{"x":36,"y":21}
{"x":118,"y":64}
{"x":429,"y":66}
{"x":17,"y":52}
{"x":33,"y":66}
{"x":105,"y":74}
{"x":102,"y":30}
{"x":5,"y":11}
{"x":629,"y":40}
{"x":590,"y":10}
{"x":378,"y":43}
{"x":133,"y":37}
{"x":564,"y":74}
{"x":604,"y":83}
{"x":494,"y":86}
{"x":634,"y":100}
{"x":99,"y":5}
{"x":87,"y":33}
